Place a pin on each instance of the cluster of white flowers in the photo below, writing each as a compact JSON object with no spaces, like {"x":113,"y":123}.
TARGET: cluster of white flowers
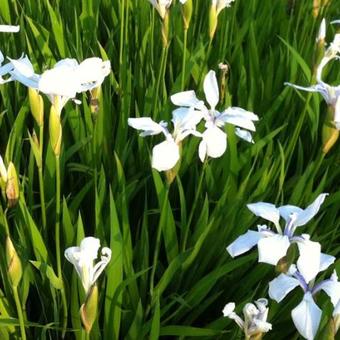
{"x":273,"y":246}
{"x":186,"y":118}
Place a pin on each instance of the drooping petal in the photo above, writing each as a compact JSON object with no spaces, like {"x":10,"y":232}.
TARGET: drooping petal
{"x":308,"y":262}
{"x":147,"y":125}
{"x":325,"y":261}
{"x":331,"y":287}
{"x":244,"y":243}
{"x":91,"y":72}
{"x":9,"y":28}
{"x":228,"y":309}
{"x":272,"y":249}
{"x":239,"y":117}
{"x":244,"y":134}
{"x":215,"y":140}
{"x":187,"y":99}
{"x":265,"y":210}
{"x":165,"y":155}
{"x":211,"y":89}
{"x":281,"y":286}
{"x":202,"y":150}
{"x":306,"y":317}
{"x":100,"y":266}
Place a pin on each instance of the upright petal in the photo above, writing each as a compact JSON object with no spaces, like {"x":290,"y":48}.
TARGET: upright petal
{"x":165,"y":155}
{"x":273,"y":248}
{"x":186,"y":98}
{"x":244,"y":243}
{"x":281,"y":286}
{"x":90,"y":246}
{"x":306,"y":215}
{"x":287,"y":210}
{"x":265,"y":210}
{"x":147,"y":125}
{"x":211,"y":89}
{"x":306,"y":317}
{"x":186,"y":118}
{"x":308,"y":262}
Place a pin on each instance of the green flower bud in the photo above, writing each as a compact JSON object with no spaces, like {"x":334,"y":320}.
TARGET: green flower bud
{"x":12,"y":185}
{"x":88,"y":310}
{"x":55,"y":131}
{"x":14,"y":268}
{"x":213,"y":20}
{"x":36,"y":105}
{"x":330,"y":133}
{"x":165,"y":29}
{"x":187,"y":13}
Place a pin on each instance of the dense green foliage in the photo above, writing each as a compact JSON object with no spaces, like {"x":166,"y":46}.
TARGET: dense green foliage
{"x":175,"y":285}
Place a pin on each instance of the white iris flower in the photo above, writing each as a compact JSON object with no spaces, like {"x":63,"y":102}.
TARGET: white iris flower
{"x":214,"y":142}
{"x":255,"y":317}
{"x":331,"y":94}
{"x":64,"y":80}
{"x":221,"y":4}
{"x":272,"y":246}
{"x":83,"y":258}
{"x":9,"y":29}
{"x":166,"y":154}
{"x":307,"y":315}
{"x":161,"y":6}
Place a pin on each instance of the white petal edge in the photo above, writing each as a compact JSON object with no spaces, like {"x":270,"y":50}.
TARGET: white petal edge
{"x":265,"y":210}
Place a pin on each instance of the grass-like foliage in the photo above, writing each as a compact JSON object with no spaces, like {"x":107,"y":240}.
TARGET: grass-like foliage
{"x":170,"y":274}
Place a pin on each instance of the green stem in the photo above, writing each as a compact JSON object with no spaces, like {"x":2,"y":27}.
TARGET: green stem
{"x":57,"y":244}
{"x":197,"y":194}
{"x":121,"y":32}
{"x":184,"y":57}
{"x":160,"y":73}
{"x":20,"y":313}
{"x":41,"y":178}
{"x":6,"y":222}
{"x":157,"y":244}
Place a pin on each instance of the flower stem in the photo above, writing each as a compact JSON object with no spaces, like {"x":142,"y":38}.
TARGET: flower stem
{"x":121,"y":32}
{"x":41,"y":177}
{"x":157,"y":244}
{"x":185,"y":41}
{"x":160,"y":74}
{"x":197,"y":194}
{"x":20,"y":313}
{"x":57,"y":243}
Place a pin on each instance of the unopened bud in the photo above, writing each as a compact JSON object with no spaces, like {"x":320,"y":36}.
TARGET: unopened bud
{"x":36,"y":105}
{"x":213,"y":20}
{"x":95,"y":99}
{"x":330,"y":133}
{"x":14,"y":268}
{"x":55,"y":131}
{"x":165,"y":29}
{"x":88,"y":310}
{"x":12,"y":185}
{"x":187,"y":13}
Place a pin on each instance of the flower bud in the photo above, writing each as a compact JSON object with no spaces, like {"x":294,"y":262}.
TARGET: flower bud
{"x":55,"y":131}
{"x":12,"y":185}
{"x":88,"y":310}
{"x":14,"y":268}
{"x":187,"y":13}
{"x":212,"y":21}
{"x":330,"y":133}
{"x":165,"y":29}
{"x":94,"y":101}
{"x":36,"y":105}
